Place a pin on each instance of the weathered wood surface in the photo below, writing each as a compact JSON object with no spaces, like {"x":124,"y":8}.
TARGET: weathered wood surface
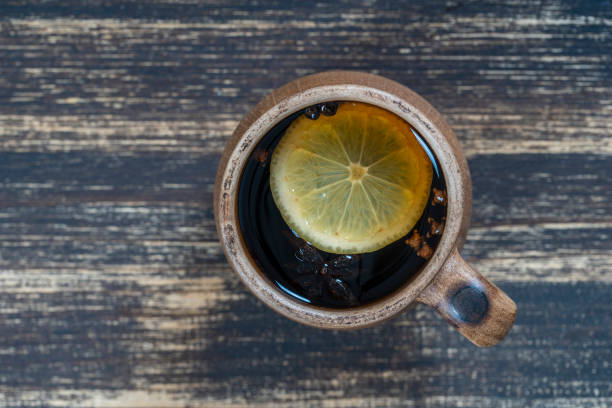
{"x":114,"y":290}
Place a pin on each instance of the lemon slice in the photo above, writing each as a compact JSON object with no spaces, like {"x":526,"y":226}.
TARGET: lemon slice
{"x":352,"y":182}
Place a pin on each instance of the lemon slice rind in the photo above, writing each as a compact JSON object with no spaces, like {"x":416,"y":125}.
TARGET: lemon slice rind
{"x":346,"y":187}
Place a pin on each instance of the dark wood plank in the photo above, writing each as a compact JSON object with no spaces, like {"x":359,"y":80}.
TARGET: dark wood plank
{"x":518,"y":77}
{"x":87,"y":210}
{"x":237,"y":351}
{"x":114,"y":290}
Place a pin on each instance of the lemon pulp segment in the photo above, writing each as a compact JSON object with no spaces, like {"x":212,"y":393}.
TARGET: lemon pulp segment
{"x":352,"y":182}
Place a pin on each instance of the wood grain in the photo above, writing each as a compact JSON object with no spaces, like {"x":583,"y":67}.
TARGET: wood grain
{"x":114,"y":290}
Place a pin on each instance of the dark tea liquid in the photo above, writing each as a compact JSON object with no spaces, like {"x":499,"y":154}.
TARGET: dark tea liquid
{"x":317,"y":277}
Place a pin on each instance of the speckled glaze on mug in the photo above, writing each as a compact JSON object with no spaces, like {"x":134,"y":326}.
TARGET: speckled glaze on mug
{"x":468,"y":301}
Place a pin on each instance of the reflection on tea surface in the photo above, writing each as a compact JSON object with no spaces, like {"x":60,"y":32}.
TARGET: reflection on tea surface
{"x":318,"y":277}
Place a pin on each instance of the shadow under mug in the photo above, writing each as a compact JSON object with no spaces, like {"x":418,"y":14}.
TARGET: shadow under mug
{"x":468,"y":301}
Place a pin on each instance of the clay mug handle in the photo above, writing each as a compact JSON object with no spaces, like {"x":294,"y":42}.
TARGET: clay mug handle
{"x":477,"y":308}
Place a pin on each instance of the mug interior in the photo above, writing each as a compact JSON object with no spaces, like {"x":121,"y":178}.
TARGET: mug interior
{"x":309,"y":273}
{"x":410,"y":108}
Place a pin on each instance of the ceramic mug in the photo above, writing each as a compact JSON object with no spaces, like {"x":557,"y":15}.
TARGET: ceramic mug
{"x":468,"y":301}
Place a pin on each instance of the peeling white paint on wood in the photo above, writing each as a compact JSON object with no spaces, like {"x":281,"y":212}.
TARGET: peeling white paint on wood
{"x":115,"y":291}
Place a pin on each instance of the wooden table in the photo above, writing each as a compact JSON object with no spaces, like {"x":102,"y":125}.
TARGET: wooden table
{"x":114,"y":290}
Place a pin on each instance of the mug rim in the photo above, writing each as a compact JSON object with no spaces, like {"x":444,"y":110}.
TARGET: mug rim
{"x":340,"y":86}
